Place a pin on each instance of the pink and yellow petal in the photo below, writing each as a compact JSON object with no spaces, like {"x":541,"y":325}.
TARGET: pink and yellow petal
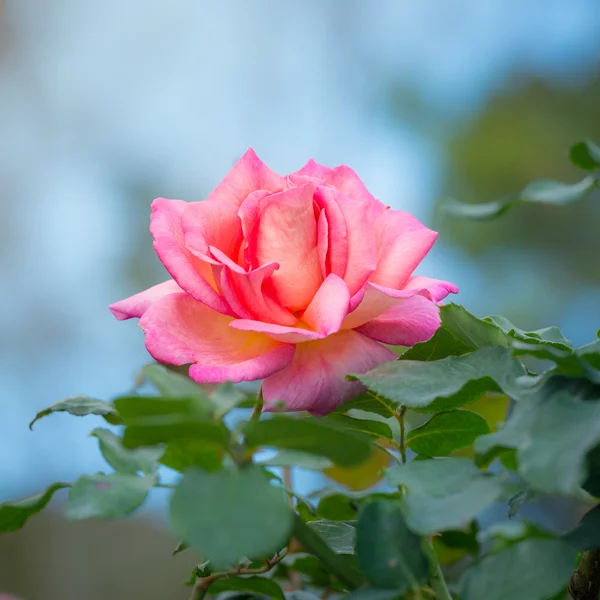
{"x":135,"y":306}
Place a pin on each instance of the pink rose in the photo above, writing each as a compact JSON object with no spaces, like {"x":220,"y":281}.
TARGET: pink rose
{"x":296,"y":280}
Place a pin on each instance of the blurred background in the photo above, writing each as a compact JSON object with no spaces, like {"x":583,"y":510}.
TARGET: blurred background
{"x":106,"y":105}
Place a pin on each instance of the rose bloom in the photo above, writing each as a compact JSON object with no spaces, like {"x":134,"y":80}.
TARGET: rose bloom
{"x":296,"y":280}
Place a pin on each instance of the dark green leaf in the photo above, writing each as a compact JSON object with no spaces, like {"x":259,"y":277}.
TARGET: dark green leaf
{"x":123,"y":459}
{"x":336,"y":564}
{"x":369,"y":593}
{"x":586,"y":536}
{"x":313,"y":568}
{"x":592,"y":482}
{"x":107,"y":496}
{"x":376,"y":429}
{"x":230,"y":514}
{"x":446,"y":383}
{"x":368,"y":402}
{"x":150,"y":420}
{"x":564,"y":409}
{"x":181,"y":454}
{"x":555,"y":192}
{"x":389,"y":554}
{"x":314,"y":436}
{"x":585,"y":155}
{"x":453,"y":544}
{"x":256,"y":585}
{"x":471,"y":330}
{"x":337,"y":507}
{"x":442,"y":344}
{"x":293,"y":458}
{"x":81,"y":406}
{"x":338,"y":535}
{"x":444,"y":493}
{"x":534,"y":569}
{"x":14,"y":514}
{"x":446,"y":432}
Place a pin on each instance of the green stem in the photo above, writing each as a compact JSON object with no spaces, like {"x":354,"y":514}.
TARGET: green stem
{"x":400,"y":416}
{"x":585,"y":582}
{"x":436,"y":576}
{"x":257,"y":410}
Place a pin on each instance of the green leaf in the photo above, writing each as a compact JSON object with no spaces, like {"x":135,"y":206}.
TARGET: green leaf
{"x":453,"y":544}
{"x":336,"y":564}
{"x":548,"y":336}
{"x":230,"y":514}
{"x":586,"y":536}
{"x":482,"y":211}
{"x":447,"y":383}
{"x":443,"y":343}
{"x":564,"y":409}
{"x":293,"y":458}
{"x":446,"y":432}
{"x":338,"y":535}
{"x":444,"y":493}
{"x":589,"y":359}
{"x":314,"y":436}
{"x":369,"y":593}
{"x":174,"y":385}
{"x":150,"y":420}
{"x":124,"y":460}
{"x":14,"y":514}
{"x":183,"y":454}
{"x":337,"y":507}
{"x":592,"y":482}
{"x":534,"y":569}
{"x":376,"y":429}
{"x":555,"y":192}
{"x":585,"y":155}
{"x":107,"y":496}
{"x":227,"y":397}
{"x":368,"y":402}
{"x":389,"y":554}
{"x":256,"y":585}
{"x":310,"y":566}
{"x":471,"y":330}
{"x":80,"y":406}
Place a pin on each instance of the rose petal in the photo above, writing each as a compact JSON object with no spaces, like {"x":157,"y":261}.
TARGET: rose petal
{"x":408,"y":322}
{"x":436,"y":289}
{"x":287,"y":234}
{"x":402,"y":242}
{"x":329,"y":306}
{"x":192,"y":274}
{"x":215,"y":224}
{"x":136,"y":306}
{"x":316,"y":379}
{"x":247,"y":175}
{"x":336,"y":250}
{"x":281,"y":333}
{"x":180,"y":330}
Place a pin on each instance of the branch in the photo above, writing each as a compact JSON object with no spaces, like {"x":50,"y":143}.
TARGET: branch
{"x":585,"y":582}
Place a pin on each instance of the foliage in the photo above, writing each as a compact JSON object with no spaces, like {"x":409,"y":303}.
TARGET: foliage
{"x":482,"y":415}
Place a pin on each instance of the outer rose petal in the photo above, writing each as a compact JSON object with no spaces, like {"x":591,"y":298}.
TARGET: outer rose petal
{"x":328,"y":308}
{"x":316,"y":378}
{"x":410,"y":321}
{"x":136,"y":306}
{"x":403,"y":242}
{"x":180,"y":330}
{"x":292,"y":335}
{"x":247,"y":175}
{"x":287,"y":234}
{"x":207,"y":224}
{"x":192,"y":274}
{"x":437,"y":290}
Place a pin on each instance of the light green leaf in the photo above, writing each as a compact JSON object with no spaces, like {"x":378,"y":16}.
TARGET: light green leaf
{"x":230,"y":514}
{"x":123,"y":459}
{"x":482,"y":211}
{"x":564,"y":409}
{"x":338,"y":535}
{"x":368,"y":402}
{"x":446,"y":432}
{"x":314,"y":436}
{"x":447,"y":383}
{"x":107,"y":496}
{"x":471,"y":330}
{"x":254,"y":585}
{"x":227,"y":397}
{"x":14,"y":514}
{"x":389,"y":554}
{"x":293,"y":458}
{"x":585,"y":155}
{"x":181,"y":454}
{"x":537,"y":569}
{"x":80,"y":406}
{"x":444,"y":493}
